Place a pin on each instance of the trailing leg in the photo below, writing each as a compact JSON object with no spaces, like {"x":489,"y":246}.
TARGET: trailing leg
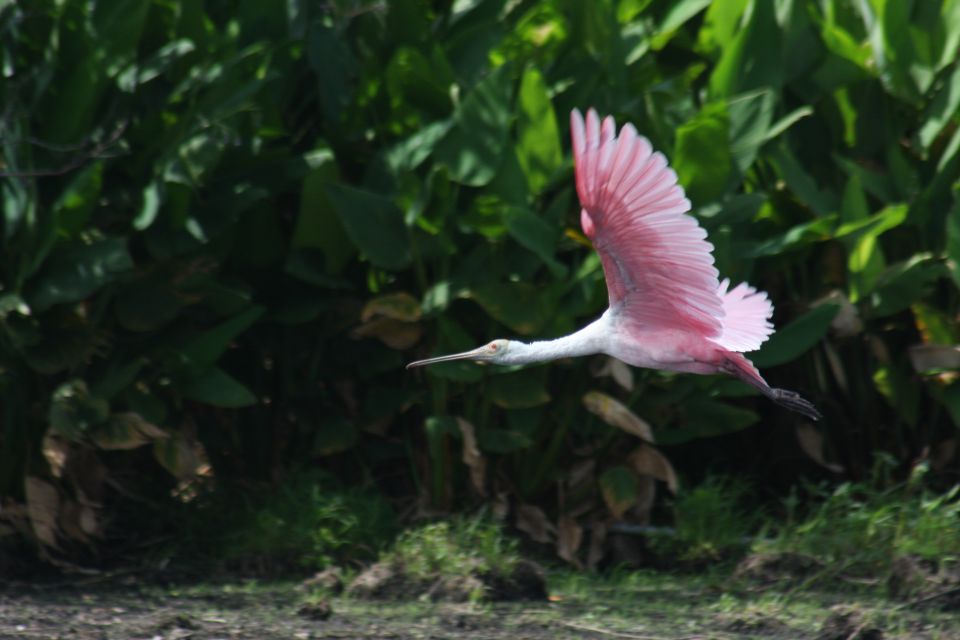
{"x":736,"y":364}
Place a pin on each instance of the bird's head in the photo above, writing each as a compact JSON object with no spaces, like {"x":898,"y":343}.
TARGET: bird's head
{"x":494,"y":351}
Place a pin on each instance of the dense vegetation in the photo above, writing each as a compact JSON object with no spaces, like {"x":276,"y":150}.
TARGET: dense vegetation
{"x":228,"y":224}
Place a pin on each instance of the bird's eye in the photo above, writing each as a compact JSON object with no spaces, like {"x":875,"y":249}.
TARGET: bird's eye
{"x":493,"y":346}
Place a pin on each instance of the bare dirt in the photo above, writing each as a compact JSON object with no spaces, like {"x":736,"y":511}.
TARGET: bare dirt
{"x":628,"y":605}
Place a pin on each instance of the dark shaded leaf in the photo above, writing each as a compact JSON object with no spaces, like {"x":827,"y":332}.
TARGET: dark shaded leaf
{"x":755,"y":57}
{"x":79,"y":270}
{"x":519,"y":305}
{"x":216,"y":387}
{"x":207,"y":348}
{"x":904,"y":283}
{"x":536,"y":235}
{"x":705,"y":418}
{"x":496,"y":440}
{"x":538,"y":139}
{"x":472,"y":149}
{"x":794,"y":339}
{"x":520,"y":389}
{"x":619,"y":488}
{"x":333,"y":435}
{"x":333,"y":62}
{"x":374,"y":224}
{"x":953,"y":242}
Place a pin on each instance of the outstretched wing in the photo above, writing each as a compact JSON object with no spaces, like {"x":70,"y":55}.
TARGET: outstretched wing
{"x":656,"y":259}
{"x":747,"y":313}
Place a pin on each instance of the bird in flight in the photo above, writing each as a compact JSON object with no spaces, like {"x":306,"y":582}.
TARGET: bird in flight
{"x":668,"y":310}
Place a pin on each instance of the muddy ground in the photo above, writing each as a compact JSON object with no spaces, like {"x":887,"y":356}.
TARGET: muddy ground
{"x":638,"y":606}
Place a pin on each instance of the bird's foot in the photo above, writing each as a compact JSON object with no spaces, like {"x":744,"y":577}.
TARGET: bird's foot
{"x":795,"y":402}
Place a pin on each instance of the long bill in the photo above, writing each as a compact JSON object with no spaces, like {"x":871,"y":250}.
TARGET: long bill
{"x":466,"y":355}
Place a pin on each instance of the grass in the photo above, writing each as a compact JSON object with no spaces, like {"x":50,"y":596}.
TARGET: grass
{"x":620,"y":604}
{"x":671,"y":605}
{"x":860,"y":528}
{"x":711,"y":522}
{"x":853,"y":530}
{"x":638,"y":604}
{"x":455,"y":548}
{"x":860,"y":520}
{"x":307,"y":523}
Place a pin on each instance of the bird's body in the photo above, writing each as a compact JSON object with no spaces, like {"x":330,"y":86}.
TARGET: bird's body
{"x":667,"y":309}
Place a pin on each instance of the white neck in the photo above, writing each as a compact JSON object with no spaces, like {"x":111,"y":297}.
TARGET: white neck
{"x":587,"y":341}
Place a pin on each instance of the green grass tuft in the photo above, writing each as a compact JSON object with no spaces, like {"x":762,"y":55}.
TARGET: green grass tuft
{"x":306,"y":523}
{"x":459,"y":547}
{"x":858,"y":529}
{"x":710,"y":520}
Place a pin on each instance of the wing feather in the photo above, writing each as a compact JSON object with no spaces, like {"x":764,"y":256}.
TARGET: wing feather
{"x":747,"y":323}
{"x":656,"y":259}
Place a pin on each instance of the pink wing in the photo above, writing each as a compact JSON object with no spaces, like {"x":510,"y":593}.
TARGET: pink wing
{"x":746,"y":324}
{"x":656,"y":259}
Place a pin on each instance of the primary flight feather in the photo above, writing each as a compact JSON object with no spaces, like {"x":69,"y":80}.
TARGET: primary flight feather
{"x":668,"y":310}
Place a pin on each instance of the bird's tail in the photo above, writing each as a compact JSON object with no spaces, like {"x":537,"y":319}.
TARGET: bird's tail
{"x":736,"y":364}
{"x":746,"y":321}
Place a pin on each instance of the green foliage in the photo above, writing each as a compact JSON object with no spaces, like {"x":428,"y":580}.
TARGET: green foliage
{"x":860,"y":528}
{"x":710,"y":520}
{"x":461,"y":547}
{"x":204,"y":205}
{"x":306,"y":523}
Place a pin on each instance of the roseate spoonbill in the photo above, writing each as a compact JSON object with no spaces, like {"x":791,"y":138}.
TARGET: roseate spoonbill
{"x":667,"y":309}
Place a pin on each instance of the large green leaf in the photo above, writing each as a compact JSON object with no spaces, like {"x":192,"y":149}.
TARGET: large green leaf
{"x":74,"y":410}
{"x":720,"y":24}
{"x":333,"y":62}
{"x":96,"y":41}
{"x":755,"y":57}
{"x":953,"y":242}
{"x":804,"y":185}
{"x":79,"y":270}
{"x":207,"y":348}
{"x":702,"y":157}
{"x":866,"y":258}
{"x":941,"y":109}
{"x":473,"y":147}
{"x":536,"y":235}
{"x":680,"y":12}
{"x":705,"y":418}
{"x":154,"y":66}
{"x":619,"y":488}
{"x":750,"y":118}
{"x":498,"y":440}
{"x":796,"y":237}
{"x":880,"y":222}
{"x":216,"y":387}
{"x":950,"y":398}
{"x":147,"y":305}
{"x":791,"y":341}
{"x":74,"y":206}
{"x":373,"y":223}
{"x":521,"y":306}
{"x":520,"y":389}
{"x":752,"y":124}
{"x":334,"y":434}
{"x":538,"y":139}
{"x":318,"y":225}
{"x":410,"y":153}
{"x":414,"y":80}
{"x":904,"y":283}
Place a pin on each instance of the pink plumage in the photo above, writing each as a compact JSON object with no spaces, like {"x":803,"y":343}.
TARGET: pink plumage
{"x":746,"y":319}
{"x":667,"y":310}
{"x":656,"y":259}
